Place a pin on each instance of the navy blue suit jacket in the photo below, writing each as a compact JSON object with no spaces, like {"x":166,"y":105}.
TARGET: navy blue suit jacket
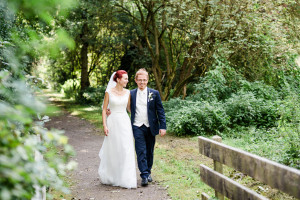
{"x":156,"y":112}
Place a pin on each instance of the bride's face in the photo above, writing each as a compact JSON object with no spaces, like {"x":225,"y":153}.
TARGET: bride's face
{"x":124,"y":80}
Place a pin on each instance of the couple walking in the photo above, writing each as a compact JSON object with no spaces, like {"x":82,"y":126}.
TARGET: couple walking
{"x":117,"y":166}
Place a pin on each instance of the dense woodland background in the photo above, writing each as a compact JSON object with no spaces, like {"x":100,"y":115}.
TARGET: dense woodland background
{"x":223,"y":67}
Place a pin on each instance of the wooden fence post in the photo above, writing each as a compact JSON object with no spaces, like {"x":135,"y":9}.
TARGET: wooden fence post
{"x":218,"y":167}
{"x":204,"y":196}
{"x":40,"y":192}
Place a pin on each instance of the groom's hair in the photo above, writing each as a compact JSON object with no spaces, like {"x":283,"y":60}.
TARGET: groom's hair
{"x":140,"y":72}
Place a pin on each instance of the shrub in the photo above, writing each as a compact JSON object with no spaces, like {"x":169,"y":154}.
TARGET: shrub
{"x":175,"y":104}
{"x":93,"y":95}
{"x":198,"y":118}
{"x":260,"y":90}
{"x":224,"y":99}
{"x":245,"y":109}
{"x":21,"y":137}
{"x":71,"y":88}
{"x":289,"y":129}
{"x":217,"y":85}
{"x":225,"y":103}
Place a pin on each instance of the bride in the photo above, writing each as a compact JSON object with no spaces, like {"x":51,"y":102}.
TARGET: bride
{"x":117,"y":166}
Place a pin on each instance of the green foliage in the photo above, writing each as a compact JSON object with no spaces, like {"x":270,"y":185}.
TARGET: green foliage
{"x":217,"y":85}
{"x":71,"y":88}
{"x":6,"y":21}
{"x":277,"y":144}
{"x":94,"y":95}
{"x":288,"y":79}
{"x":177,"y":41}
{"x":98,"y":50}
{"x":245,"y":109}
{"x":235,"y":101}
{"x":197,"y":118}
{"x":225,"y":103}
{"x":22,"y":136}
{"x":289,"y":129}
{"x":91,"y":95}
{"x":223,"y":99}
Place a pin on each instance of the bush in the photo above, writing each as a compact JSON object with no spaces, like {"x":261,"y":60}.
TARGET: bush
{"x":93,"y":95}
{"x":198,"y":118}
{"x":175,"y":104}
{"x":223,"y":99}
{"x":217,"y":85}
{"x":260,"y":90}
{"x":71,"y":88}
{"x":22,"y":135}
{"x":245,"y":109}
{"x":289,"y":129}
{"x":225,"y":103}
{"x":244,"y":103}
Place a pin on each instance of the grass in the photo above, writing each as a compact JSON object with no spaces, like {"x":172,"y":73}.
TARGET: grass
{"x":177,"y":160}
{"x":272,"y":144}
{"x":58,"y":195}
{"x":176,"y":167}
{"x":89,"y":112}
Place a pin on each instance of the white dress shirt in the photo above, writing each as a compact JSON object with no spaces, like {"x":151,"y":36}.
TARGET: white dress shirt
{"x":141,"y":115}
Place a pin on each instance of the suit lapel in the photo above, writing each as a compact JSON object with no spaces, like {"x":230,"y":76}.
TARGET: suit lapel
{"x":133,"y":105}
{"x":134,"y":99}
{"x":148,"y":90}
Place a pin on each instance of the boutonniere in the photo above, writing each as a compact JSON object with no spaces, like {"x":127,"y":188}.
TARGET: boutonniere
{"x":150,"y":96}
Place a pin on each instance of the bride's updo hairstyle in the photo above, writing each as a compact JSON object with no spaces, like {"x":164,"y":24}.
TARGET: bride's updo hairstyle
{"x":119,"y":74}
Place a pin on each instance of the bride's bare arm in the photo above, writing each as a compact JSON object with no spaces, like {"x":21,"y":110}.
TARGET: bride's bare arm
{"x":105,"y":104}
{"x":128,"y":105}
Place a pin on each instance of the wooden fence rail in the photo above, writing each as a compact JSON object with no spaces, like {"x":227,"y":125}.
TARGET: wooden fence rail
{"x":281,"y":177}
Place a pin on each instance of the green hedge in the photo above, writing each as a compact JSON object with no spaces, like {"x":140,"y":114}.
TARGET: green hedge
{"x":223,"y":99}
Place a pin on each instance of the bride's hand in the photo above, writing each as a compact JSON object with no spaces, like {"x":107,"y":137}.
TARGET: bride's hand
{"x":105,"y":131}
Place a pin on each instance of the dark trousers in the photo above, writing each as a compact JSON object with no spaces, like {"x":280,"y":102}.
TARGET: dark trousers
{"x":144,"y":147}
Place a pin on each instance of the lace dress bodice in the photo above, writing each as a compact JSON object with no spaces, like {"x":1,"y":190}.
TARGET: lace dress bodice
{"x":117,"y":103}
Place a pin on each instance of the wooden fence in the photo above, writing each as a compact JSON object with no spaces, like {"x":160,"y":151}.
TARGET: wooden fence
{"x":281,"y":177}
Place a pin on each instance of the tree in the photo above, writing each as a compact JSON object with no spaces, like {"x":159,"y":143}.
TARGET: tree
{"x":151,"y":17}
{"x":186,"y":38}
{"x":98,"y":48}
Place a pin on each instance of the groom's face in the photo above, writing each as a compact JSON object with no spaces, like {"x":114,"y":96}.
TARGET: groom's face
{"x":141,"y":81}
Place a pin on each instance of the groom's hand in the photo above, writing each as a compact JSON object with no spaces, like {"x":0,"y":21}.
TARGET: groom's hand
{"x":108,"y":112}
{"x":162,"y":132}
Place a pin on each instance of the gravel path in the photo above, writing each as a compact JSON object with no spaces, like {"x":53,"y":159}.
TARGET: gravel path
{"x":87,"y":141}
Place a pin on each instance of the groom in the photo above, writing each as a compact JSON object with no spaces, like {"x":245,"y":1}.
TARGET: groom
{"x":147,"y":119}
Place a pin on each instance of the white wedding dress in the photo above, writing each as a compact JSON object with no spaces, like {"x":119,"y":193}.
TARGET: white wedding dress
{"x":117,"y":157}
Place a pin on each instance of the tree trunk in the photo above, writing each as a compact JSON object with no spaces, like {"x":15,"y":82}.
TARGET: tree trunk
{"x":84,"y":60}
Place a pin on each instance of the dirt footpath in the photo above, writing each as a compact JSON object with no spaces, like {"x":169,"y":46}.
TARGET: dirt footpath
{"x":87,"y":141}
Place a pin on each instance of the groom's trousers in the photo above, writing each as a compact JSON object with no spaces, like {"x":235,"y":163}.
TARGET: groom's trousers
{"x":144,"y":147}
